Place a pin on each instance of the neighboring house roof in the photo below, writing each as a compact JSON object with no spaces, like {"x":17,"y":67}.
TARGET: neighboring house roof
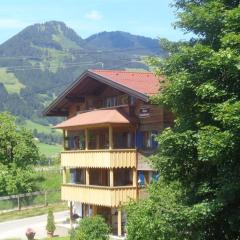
{"x":95,"y":117}
{"x":138,"y":84}
{"x":143,"y":82}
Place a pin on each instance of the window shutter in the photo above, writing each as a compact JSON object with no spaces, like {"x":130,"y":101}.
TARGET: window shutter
{"x":139,"y":139}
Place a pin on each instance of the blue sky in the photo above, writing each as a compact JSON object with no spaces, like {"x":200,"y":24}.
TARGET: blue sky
{"x":151,"y":18}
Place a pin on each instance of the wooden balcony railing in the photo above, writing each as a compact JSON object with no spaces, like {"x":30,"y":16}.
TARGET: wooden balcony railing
{"x":98,"y":195}
{"x":104,"y":158}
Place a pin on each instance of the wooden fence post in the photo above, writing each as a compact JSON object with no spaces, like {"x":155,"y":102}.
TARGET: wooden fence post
{"x":19,"y":205}
{"x":45,"y":196}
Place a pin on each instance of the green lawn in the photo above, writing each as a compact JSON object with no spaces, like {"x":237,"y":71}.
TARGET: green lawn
{"x":60,"y":238}
{"x":56,"y":207}
{"x":49,"y":150}
{"x":48,"y":180}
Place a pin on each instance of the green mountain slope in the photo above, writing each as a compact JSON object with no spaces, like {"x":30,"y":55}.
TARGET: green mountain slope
{"x":123,"y":40}
{"x":40,"y":61}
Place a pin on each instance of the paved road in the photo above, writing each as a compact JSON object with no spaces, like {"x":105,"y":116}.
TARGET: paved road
{"x":17,"y":228}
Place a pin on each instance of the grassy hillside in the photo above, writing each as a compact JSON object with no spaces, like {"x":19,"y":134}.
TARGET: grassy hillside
{"x":47,"y":133}
{"x":10,"y":82}
{"x":39,"y":127}
{"x":51,"y":179}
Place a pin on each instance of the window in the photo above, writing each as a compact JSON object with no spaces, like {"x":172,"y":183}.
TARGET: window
{"x":146,"y":139}
{"x":132,"y":100}
{"x":111,"y":102}
{"x":77,"y":176}
{"x":123,"y":177}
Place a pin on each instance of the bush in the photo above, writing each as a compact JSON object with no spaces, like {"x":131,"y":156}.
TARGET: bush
{"x":50,"y":222}
{"x":91,"y":228}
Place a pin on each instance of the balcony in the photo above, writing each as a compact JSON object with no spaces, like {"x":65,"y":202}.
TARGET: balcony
{"x":104,"y":158}
{"x":98,"y":195}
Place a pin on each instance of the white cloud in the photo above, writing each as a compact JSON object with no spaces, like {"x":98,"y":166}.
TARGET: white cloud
{"x":94,"y":15}
{"x":9,"y":23}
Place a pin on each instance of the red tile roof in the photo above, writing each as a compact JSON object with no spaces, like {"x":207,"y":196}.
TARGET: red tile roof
{"x":95,"y":117}
{"x":143,"y":82}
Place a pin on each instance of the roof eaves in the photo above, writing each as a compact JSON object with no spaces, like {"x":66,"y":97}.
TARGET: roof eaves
{"x":100,"y":78}
{"x":64,"y":93}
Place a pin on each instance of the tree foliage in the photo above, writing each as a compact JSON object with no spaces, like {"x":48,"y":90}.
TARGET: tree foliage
{"x":91,"y":228}
{"x":200,"y":154}
{"x":18,"y":153}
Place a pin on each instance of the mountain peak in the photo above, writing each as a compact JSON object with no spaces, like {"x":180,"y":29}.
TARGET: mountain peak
{"x":51,"y":35}
{"x":55,"y":26}
{"x":125,"y":40}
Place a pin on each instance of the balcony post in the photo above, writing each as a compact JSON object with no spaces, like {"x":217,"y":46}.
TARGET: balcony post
{"x":111,"y":178}
{"x":64,"y":140}
{"x":87,"y":176}
{"x":86,"y":139}
{"x":134,"y":177}
{"x":64,"y":175}
{"x":71,"y":214}
{"x":110,"y":137}
{"x":119,"y":222}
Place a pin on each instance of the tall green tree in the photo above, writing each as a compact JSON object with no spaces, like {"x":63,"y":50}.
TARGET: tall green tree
{"x":18,"y":153}
{"x":198,"y":194}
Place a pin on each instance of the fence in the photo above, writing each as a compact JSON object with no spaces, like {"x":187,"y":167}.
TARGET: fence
{"x":29,"y":200}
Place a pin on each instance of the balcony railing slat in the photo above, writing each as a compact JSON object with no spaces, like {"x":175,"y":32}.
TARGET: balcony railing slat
{"x":117,"y":158}
{"x":98,"y":195}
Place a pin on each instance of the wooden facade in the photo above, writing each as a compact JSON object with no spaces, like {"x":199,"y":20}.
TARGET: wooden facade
{"x":104,"y":165}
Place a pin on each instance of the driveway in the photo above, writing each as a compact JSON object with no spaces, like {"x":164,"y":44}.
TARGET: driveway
{"x":17,"y":228}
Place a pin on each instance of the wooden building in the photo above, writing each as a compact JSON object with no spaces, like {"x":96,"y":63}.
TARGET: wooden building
{"x":108,"y":134}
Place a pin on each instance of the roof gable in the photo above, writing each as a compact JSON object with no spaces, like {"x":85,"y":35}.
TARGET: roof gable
{"x":138,"y":84}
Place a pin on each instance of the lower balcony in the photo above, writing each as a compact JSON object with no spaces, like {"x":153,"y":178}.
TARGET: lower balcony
{"x":98,"y":195}
{"x":116,"y":158}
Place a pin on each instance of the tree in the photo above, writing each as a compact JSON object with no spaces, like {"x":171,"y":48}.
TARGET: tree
{"x":18,"y":153}
{"x":17,"y":146}
{"x":50,"y":227}
{"x":198,"y":159}
{"x":91,"y":228}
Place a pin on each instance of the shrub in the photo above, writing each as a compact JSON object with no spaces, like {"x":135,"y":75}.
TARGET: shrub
{"x":91,"y":228}
{"x":50,"y":222}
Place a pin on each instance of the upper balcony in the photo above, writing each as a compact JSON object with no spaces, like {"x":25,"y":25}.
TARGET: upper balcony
{"x":99,"y":139}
